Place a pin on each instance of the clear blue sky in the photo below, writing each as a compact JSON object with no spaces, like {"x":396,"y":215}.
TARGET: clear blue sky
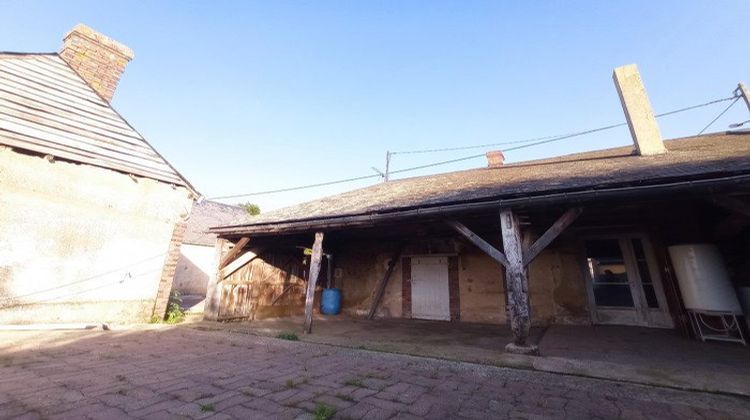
{"x":244,"y":96}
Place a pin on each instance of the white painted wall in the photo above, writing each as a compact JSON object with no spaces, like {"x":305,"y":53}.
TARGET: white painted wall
{"x":80,"y":243}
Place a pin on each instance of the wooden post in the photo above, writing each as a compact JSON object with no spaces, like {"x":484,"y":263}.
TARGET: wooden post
{"x":317,"y":256}
{"x":516,"y":279}
{"x":213,"y":291}
{"x":380,"y":288}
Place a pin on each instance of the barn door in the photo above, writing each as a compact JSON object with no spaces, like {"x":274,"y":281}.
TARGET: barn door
{"x":430,"y":294}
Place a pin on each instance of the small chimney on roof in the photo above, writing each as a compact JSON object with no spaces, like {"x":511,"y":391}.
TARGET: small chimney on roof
{"x":638,"y":112}
{"x":98,"y":59}
{"x":495,"y":159}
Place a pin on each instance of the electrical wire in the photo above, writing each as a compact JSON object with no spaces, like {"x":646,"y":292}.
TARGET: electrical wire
{"x":301,"y":187}
{"x":525,"y":143}
{"x":720,"y":114}
{"x":535,"y":139}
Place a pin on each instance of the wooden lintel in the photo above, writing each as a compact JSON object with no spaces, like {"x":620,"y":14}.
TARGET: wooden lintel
{"x":480,"y":243}
{"x":380,"y":288}
{"x":239,"y":262}
{"x":734,"y":204}
{"x":315,"y":260}
{"x":234,"y":252}
{"x":553,"y":232}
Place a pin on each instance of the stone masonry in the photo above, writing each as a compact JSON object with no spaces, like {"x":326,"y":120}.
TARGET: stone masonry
{"x":183,"y":372}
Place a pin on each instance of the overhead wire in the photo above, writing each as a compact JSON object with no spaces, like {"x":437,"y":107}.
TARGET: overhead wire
{"x":525,"y":143}
{"x":720,"y":114}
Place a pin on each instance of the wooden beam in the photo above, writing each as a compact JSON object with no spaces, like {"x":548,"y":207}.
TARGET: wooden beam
{"x":213,"y":291}
{"x":734,"y":204}
{"x":238,"y":263}
{"x":479,"y":242}
{"x":380,"y":288}
{"x":317,"y":256}
{"x":234,"y":252}
{"x":516,"y":278}
{"x":553,"y":232}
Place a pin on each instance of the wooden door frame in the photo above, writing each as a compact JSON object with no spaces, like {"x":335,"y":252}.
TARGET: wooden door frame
{"x":644,"y":316}
{"x":454,"y":293}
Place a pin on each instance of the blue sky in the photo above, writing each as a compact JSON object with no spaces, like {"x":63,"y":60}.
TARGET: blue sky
{"x":245,"y":96}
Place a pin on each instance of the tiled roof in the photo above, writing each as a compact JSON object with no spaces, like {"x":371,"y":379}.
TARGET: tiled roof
{"x":702,"y":157}
{"x":46,"y":107}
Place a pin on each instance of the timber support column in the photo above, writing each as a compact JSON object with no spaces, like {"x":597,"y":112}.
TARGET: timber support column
{"x":312,"y":280}
{"x":213,"y":291}
{"x":517,"y":280}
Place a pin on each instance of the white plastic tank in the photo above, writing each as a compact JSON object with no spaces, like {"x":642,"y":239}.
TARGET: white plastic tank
{"x":703,"y":278}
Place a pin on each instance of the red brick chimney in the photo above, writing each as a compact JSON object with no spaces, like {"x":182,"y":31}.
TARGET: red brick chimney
{"x":495,"y":159}
{"x":98,"y":59}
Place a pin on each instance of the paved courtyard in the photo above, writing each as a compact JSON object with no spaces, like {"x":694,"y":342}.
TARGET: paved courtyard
{"x":181,"y":372}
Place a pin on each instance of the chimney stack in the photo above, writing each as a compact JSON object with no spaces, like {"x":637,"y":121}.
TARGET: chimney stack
{"x":638,"y":112}
{"x":495,"y":159}
{"x":98,"y":59}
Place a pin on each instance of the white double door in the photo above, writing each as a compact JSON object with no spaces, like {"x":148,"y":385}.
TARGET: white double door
{"x":430,"y":294}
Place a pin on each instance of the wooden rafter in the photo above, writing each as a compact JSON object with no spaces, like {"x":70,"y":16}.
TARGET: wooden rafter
{"x":479,"y":242}
{"x":553,"y":232}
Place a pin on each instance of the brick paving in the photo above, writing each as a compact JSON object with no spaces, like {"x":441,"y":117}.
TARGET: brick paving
{"x":187,"y":373}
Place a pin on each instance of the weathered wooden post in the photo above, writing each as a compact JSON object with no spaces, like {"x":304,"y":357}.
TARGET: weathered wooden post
{"x":517,"y":281}
{"x":315,"y":260}
{"x":213,"y":291}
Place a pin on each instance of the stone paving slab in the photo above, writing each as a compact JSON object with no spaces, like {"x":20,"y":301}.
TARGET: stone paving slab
{"x":174,"y":373}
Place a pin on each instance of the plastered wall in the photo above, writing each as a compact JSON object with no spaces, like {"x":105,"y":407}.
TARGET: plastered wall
{"x":557,"y":289}
{"x":80,"y":243}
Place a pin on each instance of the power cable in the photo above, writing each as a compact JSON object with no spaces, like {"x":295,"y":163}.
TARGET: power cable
{"x":525,"y":143}
{"x":482,"y":146}
{"x":720,"y":114}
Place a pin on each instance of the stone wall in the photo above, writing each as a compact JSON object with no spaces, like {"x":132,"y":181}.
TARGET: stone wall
{"x":80,"y":243}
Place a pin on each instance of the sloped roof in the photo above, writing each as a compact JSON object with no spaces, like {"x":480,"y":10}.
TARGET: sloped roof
{"x":211,"y":213}
{"x":46,"y":107}
{"x":701,"y":157}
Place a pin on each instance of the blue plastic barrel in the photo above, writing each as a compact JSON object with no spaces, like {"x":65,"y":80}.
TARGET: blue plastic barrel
{"x":330,"y":302}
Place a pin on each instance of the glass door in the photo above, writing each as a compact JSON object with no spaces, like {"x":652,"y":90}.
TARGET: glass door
{"x":623,"y":282}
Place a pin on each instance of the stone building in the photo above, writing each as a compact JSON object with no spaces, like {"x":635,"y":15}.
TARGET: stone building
{"x":91,"y":215}
{"x":578,"y":239}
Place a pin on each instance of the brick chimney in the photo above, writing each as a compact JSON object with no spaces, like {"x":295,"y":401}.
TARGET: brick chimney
{"x":495,"y":159}
{"x":638,"y":112}
{"x":98,"y":59}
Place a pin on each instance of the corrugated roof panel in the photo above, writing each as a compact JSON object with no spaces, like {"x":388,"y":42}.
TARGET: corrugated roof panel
{"x":46,"y":107}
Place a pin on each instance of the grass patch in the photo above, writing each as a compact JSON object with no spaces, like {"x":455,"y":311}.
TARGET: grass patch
{"x":288,"y":336}
{"x":357,"y":382}
{"x":344,"y":397}
{"x":323,"y":412}
{"x":289,"y":384}
{"x":205,"y":408}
